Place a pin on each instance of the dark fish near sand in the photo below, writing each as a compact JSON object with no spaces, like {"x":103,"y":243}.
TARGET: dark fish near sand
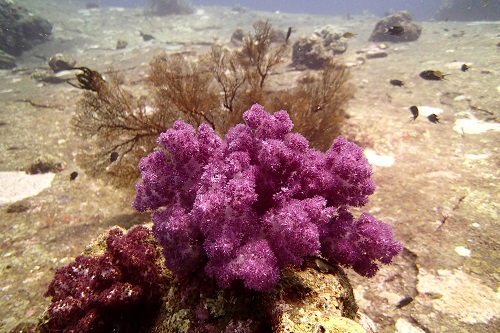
{"x":288,"y":33}
{"x":395,"y":30}
{"x":464,"y":68}
{"x":397,"y":83}
{"x":403,"y":302}
{"x":73,"y":175}
{"x":146,"y":37}
{"x":433,"y":75}
{"x":414,"y":112}
{"x":433,"y":118}
{"x":113,"y":157}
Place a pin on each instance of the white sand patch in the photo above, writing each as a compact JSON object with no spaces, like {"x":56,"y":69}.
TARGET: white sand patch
{"x":474,"y":126}
{"x":15,"y":186}
{"x":477,"y":156}
{"x":428,"y":110}
{"x":378,"y":160}
{"x":462,"y":251}
{"x":404,"y":326}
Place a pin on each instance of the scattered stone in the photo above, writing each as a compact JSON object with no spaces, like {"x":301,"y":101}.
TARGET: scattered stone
{"x":18,"y":207}
{"x":309,"y":52}
{"x":44,"y":164}
{"x":47,"y":76}
{"x":376,"y":53}
{"x":61,"y":62}
{"x":410,"y":31}
{"x":237,"y":36}
{"x":314,"y":51}
{"x":121,"y":44}
{"x":20,"y":29}
{"x":332,"y":40}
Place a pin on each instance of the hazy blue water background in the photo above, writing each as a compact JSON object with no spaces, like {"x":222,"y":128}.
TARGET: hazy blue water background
{"x":421,"y":10}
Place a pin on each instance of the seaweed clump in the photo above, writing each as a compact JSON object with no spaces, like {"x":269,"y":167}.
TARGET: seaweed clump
{"x":215,"y":88}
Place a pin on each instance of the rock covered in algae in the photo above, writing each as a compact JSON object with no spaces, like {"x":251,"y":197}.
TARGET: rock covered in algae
{"x":328,"y":304}
{"x":316,"y":298}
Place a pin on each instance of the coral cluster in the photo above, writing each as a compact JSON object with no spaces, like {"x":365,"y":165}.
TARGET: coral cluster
{"x":111,"y":292}
{"x":246,"y":206}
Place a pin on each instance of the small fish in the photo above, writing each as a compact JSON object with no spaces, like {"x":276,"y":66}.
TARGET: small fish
{"x":348,"y":35}
{"x":403,"y":302}
{"x":113,"y":157}
{"x":433,"y":75}
{"x":433,"y":118}
{"x":146,"y":37}
{"x":485,"y":3}
{"x":414,"y":112}
{"x":73,"y":175}
{"x":395,"y":30}
{"x":464,"y":68}
{"x":288,"y":33}
{"x":397,"y":83}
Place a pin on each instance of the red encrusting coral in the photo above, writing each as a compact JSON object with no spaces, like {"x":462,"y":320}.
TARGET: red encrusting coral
{"x":108,"y":292}
{"x":246,"y":206}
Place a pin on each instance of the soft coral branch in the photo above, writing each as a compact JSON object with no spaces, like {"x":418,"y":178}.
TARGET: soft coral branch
{"x":247,"y":206}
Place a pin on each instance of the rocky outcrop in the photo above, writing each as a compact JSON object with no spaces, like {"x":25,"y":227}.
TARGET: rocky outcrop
{"x":314,"y":51}
{"x":20,"y":30}
{"x":317,"y":298}
{"x":396,"y":28}
{"x":61,"y":62}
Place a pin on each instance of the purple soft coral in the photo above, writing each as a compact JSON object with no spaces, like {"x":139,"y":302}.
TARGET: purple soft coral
{"x":246,"y":206}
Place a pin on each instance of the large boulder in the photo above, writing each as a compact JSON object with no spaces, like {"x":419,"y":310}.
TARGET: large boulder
{"x":20,"y":30}
{"x":314,"y":51}
{"x":396,"y":28}
{"x":467,"y":10}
